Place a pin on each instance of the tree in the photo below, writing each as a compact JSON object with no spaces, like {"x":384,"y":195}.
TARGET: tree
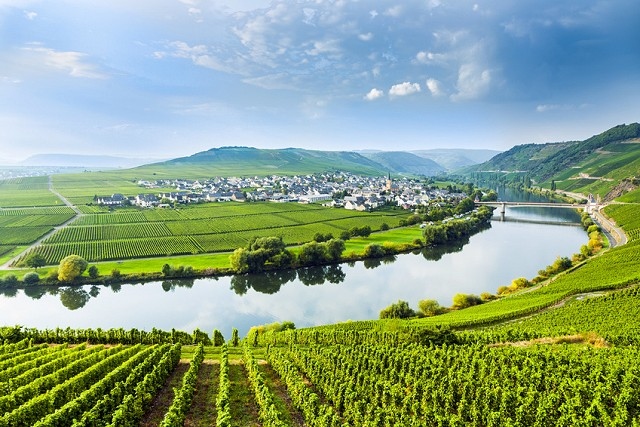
{"x":398,"y":310}
{"x":519,"y":283}
{"x":430,"y":307}
{"x":93,"y":272}
{"x":335,"y":248}
{"x":234,"y":337}
{"x":465,"y":205}
{"x":465,"y":300}
{"x":31,"y":278}
{"x":35,"y":261}
{"x":71,"y":267}
{"x":374,"y":250}
{"x":434,"y":235}
{"x":167,"y":270}
{"x":312,"y":253}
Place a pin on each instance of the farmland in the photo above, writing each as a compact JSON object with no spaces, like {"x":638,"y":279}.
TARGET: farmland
{"x":183,"y":379}
{"x":134,"y":233}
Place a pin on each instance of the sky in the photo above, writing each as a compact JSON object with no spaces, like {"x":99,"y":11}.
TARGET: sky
{"x":169,"y":78}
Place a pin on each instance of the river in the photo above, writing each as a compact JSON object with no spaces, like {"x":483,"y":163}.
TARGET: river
{"x":524,"y":241}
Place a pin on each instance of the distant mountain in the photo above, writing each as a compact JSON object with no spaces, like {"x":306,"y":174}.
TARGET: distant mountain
{"x":226,"y":161}
{"x":597,"y":164}
{"x":88,"y":161}
{"x":405,"y":163}
{"x":456,"y":158}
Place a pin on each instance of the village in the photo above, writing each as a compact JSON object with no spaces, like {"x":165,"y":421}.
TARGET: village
{"x":338,"y":189}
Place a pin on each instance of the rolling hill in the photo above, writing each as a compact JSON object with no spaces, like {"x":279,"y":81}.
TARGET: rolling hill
{"x":597,"y":165}
{"x":406,"y":163}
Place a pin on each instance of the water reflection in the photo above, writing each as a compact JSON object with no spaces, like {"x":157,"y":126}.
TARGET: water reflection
{"x":311,"y":296}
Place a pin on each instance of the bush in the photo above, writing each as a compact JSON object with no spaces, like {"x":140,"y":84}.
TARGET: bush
{"x":93,"y":272}
{"x":465,"y":300}
{"x":31,"y":278}
{"x":430,"y":307}
{"x":399,"y":310}
{"x":374,"y":251}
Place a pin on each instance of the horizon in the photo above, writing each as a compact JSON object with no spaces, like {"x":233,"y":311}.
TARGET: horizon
{"x":167,"y":79}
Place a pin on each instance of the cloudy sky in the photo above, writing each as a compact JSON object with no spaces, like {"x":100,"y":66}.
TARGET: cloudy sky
{"x":167,"y":78}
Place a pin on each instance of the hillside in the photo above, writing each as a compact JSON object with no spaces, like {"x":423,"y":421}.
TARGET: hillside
{"x":456,"y":158}
{"x":596,"y":165}
{"x":406,"y":163}
{"x":227,"y":161}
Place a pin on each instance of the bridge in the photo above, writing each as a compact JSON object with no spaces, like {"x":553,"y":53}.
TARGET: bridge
{"x":503,"y":205}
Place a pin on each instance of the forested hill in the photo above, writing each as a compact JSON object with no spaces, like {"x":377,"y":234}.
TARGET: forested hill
{"x":596,"y":164}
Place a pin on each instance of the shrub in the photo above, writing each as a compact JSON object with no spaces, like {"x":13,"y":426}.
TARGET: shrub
{"x":399,"y":310}
{"x":430,"y":307}
{"x":93,"y":272}
{"x":31,"y":278}
{"x":374,"y":251}
{"x":465,"y":300}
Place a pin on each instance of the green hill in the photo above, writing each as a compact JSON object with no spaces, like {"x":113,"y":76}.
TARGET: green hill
{"x":598,"y":165}
{"x":404,"y":162}
{"x":227,"y":161}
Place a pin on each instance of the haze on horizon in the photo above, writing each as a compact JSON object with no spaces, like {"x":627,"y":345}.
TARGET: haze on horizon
{"x":168,"y":78}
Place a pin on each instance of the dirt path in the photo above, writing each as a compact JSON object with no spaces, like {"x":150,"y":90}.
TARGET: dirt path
{"x":244,"y":409}
{"x":55,"y":229}
{"x":203,"y":406}
{"x":164,"y":398}
{"x":279,"y":390}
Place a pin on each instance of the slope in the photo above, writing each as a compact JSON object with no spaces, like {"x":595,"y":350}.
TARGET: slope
{"x":226,"y":161}
{"x":407,"y":163}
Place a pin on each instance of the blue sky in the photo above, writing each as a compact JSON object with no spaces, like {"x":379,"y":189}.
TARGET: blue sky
{"x":161,"y":78}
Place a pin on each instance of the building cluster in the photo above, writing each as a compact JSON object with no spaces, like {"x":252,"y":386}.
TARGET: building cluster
{"x":339,"y":189}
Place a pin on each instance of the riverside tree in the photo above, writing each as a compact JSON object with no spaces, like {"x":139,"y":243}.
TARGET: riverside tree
{"x":35,"y":261}
{"x":71,"y":267}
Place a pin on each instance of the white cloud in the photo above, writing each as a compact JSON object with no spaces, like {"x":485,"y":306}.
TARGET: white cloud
{"x":30,"y":15}
{"x":404,"y":89}
{"x":373,"y":13}
{"x":430,"y":57}
{"x":324,"y":46}
{"x":473,"y":82}
{"x":435,"y":87}
{"x":70,"y":62}
{"x":374,"y":94}
{"x":543,"y":108}
{"x":394,"y":11}
{"x":366,"y":37}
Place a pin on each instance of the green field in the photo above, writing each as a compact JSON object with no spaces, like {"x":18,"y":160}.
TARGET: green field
{"x":215,"y":227}
{"x":27,"y":192}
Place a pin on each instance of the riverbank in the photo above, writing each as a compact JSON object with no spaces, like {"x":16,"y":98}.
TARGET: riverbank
{"x":377,"y":245}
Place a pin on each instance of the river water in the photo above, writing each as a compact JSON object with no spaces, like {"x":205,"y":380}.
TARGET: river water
{"x":519,"y":244}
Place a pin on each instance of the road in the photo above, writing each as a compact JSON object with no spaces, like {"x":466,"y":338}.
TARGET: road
{"x":615,"y":234}
{"x":78,"y":214}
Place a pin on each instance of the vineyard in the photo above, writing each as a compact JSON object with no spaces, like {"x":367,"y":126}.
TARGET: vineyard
{"x":133,"y":233}
{"x":21,"y":226}
{"x":27,"y":192}
{"x":369,"y":384}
